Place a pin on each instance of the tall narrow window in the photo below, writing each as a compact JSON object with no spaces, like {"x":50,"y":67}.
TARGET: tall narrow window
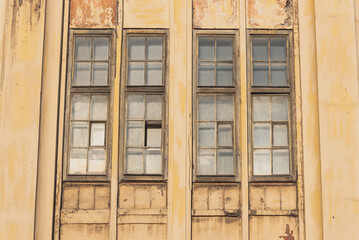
{"x":215,"y":107}
{"x":271,"y":94}
{"x":88,"y":106}
{"x":145,"y":108}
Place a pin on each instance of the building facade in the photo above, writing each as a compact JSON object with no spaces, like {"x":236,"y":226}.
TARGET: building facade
{"x":179,"y":119}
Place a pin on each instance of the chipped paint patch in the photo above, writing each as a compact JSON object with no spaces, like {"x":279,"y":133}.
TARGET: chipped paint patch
{"x":270,"y":13}
{"x":289,"y":234}
{"x":93,"y":13}
{"x":215,"y":14}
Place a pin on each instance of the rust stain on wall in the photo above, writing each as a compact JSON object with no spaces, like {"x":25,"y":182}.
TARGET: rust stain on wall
{"x":215,"y":13}
{"x":289,"y":234}
{"x":270,"y":13}
{"x":93,"y":13}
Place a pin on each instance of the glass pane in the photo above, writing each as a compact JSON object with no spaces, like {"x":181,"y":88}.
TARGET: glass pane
{"x":80,"y":107}
{"x":153,"y":107}
{"x":100,"y":74}
{"x":82,"y":73}
{"x":101,"y":48}
{"x":154,"y":48}
{"x":279,"y":75}
{"x":79,"y":134}
{"x":225,"y":135}
{"x":278,"y":49}
{"x":154,"y":73}
{"x":224,"y":74}
{"x":98,"y":131}
{"x":261,"y":162}
{"x":206,"y":162}
{"x":97,"y":161}
{"x":261,"y":108}
{"x":206,"y":108}
{"x":261,"y":135}
{"x":224,"y":49}
{"x":206,"y":74}
{"x":153,"y":161}
{"x":82,"y":48}
{"x":260,"y":49}
{"x":260,"y":74}
{"x":206,"y":134}
{"x":98,"y":107}
{"x":137,"y":48}
{"x":153,"y":137}
{"x":280,"y":108}
{"x":135,"y":133}
{"x":134,"y":161}
{"x":225,"y":162}
{"x":225,"y":108}
{"x":136,"y":73}
{"x":78,"y":161}
{"x":135,"y":107}
{"x":281,"y":161}
{"x":206,"y":48}
{"x":280,"y":135}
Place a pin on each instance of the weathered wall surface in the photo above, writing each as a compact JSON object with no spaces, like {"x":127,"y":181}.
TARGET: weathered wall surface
{"x":20,"y":84}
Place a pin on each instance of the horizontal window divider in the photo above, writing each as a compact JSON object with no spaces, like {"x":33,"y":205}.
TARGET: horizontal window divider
{"x":215,"y":61}
{"x":272,"y":179}
{"x":273,"y":121}
{"x":270,"y":61}
{"x":218,"y":179}
{"x":230,"y":90}
{"x":91,"y":61}
{"x":143,"y":178}
{"x":147,"y":60}
{"x":90,"y":90}
{"x":270,"y":90}
{"x":145,"y":89}
{"x":87,"y":178}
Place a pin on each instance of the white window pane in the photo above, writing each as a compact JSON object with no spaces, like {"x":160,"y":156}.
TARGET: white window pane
{"x":281,"y":161}
{"x":136,"y":73}
{"x":154,"y":48}
{"x":280,"y":135}
{"x":153,"y":107}
{"x":224,"y":49}
{"x":261,"y":135}
{"x":260,"y":49}
{"x":206,"y":108}
{"x":225,"y":108}
{"x":100,"y":74}
{"x":153,"y":137}
{"x":225,"y":162}
{"x":82,"y":72}
{"x":280,"y":108}
{"x":260,"y":74}
{"x":97,"y":161}
{"x":261,"y":108}
{"x":80,"y":107}
{"x":153,"y":161}
{"x":134,"y":161}
{"x":224,"y":74}
{"x":278,"y":49}
{"x":225,"y":135}
{"x":78,"y":161}
{"x":101,"y":45}
{"x":79,"y":134}
{"x":206,"y":74}
{"x":98,"y":107}
{"x":83,"y":48}
{"x":135,"y":133}
{"x":154,"y":73}
{"x":206,"y":48}
{"x":261,"y":162}
{"x":98,"y":131}
{"x":135,"y":107}
{"x":137,"y":48}
{"x":279,"y":74}
{"x":206,"y":134}
{"x":206,"y":162}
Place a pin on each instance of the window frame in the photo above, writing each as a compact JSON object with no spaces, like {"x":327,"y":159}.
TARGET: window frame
{"x":88,"y":91}
{"x":126,"y":90}
{"x":272,"y":91}
{"x":216,"y":91}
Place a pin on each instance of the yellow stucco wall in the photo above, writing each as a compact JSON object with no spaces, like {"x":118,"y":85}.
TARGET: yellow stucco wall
{"x":32,"y":105}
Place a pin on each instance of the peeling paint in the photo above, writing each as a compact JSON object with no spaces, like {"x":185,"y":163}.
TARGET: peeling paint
{"x":289,"y":234}
{"x":93,"y":13}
